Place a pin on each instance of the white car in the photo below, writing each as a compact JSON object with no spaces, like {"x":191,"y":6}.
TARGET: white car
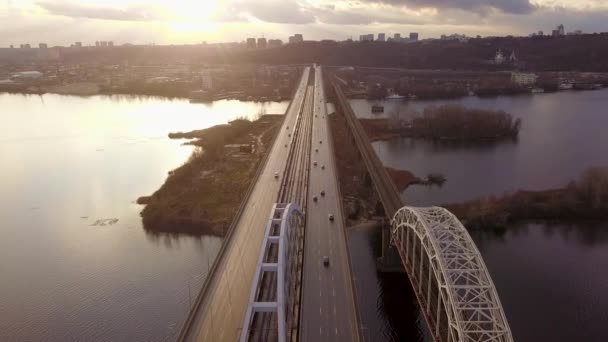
{"x":331,"y":217}
{"x":276,"y":175}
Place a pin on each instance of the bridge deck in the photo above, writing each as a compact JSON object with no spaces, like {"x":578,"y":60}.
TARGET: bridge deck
{"x":220,"y":307}
{"x":328,"y":302}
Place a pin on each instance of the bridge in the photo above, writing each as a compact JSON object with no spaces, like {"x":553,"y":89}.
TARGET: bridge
{"x":269,"y":281}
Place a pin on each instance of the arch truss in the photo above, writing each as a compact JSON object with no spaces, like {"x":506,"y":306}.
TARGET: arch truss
{"x":271,"y":309}
{"x":448,"y":275}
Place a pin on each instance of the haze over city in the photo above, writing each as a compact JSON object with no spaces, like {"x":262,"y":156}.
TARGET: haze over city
{"x":191,"y":21}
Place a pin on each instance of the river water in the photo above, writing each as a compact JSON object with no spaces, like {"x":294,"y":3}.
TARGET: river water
{"x":551,"y":278}
{"x":69,"y":168}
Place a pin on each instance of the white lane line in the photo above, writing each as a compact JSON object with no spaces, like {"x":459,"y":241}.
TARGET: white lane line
{"x":320,"y":331}
{"x":334,"y":309}
{"x":334,"y":291}
{"x":321,"y":311}
{"x":336,"y":331}
{"x":320,"y":293}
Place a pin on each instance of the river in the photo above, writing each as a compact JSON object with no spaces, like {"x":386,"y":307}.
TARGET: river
{"x":551,"y":278}
{"x":72,"y":166}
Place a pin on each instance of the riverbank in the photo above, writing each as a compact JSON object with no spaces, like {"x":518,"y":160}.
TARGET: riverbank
{"x":203,"y":195}
{"x":177,"y":92}
{"x":359,"y":199}
{"x":583,"y":200}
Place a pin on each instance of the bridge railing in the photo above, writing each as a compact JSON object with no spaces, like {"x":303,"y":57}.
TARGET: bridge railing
{"x":448,"y":275}
{"x":285,"y":231}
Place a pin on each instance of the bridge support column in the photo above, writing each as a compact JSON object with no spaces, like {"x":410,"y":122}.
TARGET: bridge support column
{"x":390,"y":261}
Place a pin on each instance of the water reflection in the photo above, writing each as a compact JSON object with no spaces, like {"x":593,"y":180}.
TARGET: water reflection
{"x":550,"y":277}
{"x":68,"y":162}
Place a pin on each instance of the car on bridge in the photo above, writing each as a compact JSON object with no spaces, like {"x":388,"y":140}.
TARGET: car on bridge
{"x":322,"y":192}
{"x":276,"y":175}
{"x":314,"y":198}
{"x":326,"y":261}
{"x":331,"y":217}
{"x":314,"y":163}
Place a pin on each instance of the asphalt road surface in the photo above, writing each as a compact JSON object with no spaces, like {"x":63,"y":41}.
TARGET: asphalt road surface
{"x":328,"y":308}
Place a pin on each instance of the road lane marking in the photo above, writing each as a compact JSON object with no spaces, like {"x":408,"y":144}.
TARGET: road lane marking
{"x":320,"y":331}
{"x":336,"y":331}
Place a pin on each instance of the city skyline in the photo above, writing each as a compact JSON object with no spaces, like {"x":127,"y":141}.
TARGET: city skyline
{"x":190,"y":22}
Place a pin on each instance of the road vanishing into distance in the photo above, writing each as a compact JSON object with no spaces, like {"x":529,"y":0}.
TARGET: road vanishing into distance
{"x":299,"y":166}
{"x":328,"y":307}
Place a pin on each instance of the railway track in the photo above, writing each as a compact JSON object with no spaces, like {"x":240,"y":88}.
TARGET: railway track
{"x":294,"y":188}
{"x":386,"y":189}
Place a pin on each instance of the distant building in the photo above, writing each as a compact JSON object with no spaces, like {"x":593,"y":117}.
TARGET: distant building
{"x":97,"y":44}
{"x":78,"y":44}
{"x":24,"y":46}
{"x":273,"y":43}
{"x":296,"y":38}
{"x":251,"y":43}
{"x":499,"y":58}
{"x":381,"y":37}
{"x":262,"y":44}
{"x":103,"y":44}
{"x":42,"y":46}
{"x":414,"y":36}
{"x":110,"y":43}
{"x":559,"y":31}
{"x":541,"y":33}
{"x":206,"y":81}
{"x":523,"y":79}
{"x":459,"y":37}
{"x":397,"y":36}
{"x":26,"y":75}
{"x":366,"y":37}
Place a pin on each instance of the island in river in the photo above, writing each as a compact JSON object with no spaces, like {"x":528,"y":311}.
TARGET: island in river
{"x":203,"y":195}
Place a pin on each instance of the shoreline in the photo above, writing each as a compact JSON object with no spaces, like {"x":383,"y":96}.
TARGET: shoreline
{"x":203,"y":195}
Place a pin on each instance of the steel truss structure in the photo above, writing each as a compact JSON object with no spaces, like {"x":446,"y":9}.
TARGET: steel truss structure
{"x":448,"y":275}
{"x":285,"y":230}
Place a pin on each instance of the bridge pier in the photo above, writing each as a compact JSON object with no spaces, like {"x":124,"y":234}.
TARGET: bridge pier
{"x":389,"y":261}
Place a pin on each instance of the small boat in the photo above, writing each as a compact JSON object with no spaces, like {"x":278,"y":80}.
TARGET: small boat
{"x":377,"y":109}
{"x":395,"y":97}
{"x":537,"y":90}
{"x":566,"y":86}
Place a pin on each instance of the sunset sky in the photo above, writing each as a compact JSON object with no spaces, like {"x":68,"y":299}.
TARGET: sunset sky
{"x":61,"y":22}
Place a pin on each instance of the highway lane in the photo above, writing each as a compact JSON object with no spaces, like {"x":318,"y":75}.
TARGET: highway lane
{"x":219,"y":313}
{"x":328,"y":307}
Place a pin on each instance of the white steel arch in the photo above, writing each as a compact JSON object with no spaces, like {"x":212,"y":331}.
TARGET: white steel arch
{"x":438,"y":252}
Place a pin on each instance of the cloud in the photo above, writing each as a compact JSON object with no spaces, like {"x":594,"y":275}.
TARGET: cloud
{"x":276,"y":11}
{"x":75,"y":10}
{"x":480,"y":6}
